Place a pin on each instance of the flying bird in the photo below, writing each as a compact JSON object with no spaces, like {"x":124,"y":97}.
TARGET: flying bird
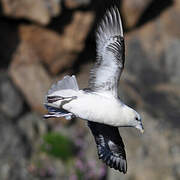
{"x":99,"y":104}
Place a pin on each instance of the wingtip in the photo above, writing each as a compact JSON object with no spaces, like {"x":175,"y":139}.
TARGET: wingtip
{"x":111,"y":23}
{"x":115,"y":162}
{"x":116,"y":11}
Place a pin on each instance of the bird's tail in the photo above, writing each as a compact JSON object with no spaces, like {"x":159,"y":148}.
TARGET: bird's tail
{"x":68,"y":82}
{"x":60,"y":93}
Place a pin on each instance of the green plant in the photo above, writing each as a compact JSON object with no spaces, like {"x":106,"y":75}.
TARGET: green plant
{"x":58,"y":146}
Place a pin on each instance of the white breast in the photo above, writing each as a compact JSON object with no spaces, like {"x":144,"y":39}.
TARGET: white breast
{"x":97,"y":108}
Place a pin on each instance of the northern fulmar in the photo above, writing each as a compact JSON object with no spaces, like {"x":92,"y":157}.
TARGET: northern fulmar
{"x":99,"y":104}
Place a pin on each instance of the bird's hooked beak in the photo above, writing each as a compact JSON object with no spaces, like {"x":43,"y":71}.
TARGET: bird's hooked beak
{"x":140,"y":127}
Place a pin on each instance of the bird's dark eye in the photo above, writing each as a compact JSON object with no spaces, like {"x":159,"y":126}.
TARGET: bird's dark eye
{"x":137,"y":119}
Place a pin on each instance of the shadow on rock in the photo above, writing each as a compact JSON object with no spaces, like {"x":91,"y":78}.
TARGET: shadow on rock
{"x":155,"y":8}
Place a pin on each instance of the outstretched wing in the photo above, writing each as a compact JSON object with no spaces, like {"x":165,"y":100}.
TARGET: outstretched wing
{"x":106,"y":72}
{"x":109,"y":145}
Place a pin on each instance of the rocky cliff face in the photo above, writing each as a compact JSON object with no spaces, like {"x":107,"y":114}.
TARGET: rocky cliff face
{"x":42,"y":41}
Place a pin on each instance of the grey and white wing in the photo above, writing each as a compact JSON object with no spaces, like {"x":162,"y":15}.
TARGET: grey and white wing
{"x":109,"y":64}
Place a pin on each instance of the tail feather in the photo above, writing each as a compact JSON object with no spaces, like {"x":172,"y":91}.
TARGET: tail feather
{"x":54,"y":112}
{"x":68,"y":82}
{"x":60,"y":93}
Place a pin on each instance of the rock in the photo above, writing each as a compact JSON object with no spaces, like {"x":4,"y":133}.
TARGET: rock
{"x":65,"y":47}
{"x":132,"y":10}
{"x":40,"y":40}
{"x":144,"y":63}
{"x":30,"y":76}
{"x":152,"y":50}
{"x":170,"y":18}
{"x":71,"y":4}
{"x":11,"y":101}
{"x":33,"y":127}
{"x":13,"y":152}
{"x":73,"y":40}
{"x":83,"y":75}
{"x":40,"y":11}
{"x":172,"y":62}
{"x":7,"y":45}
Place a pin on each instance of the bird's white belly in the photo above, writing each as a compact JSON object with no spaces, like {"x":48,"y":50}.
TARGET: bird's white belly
{"x":95,"y":108}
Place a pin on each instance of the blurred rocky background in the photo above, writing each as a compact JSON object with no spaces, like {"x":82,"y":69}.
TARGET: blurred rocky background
{"x":41,"y":41}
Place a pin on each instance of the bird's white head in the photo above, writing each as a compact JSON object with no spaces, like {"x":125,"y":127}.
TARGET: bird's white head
{"x":133,"y":119}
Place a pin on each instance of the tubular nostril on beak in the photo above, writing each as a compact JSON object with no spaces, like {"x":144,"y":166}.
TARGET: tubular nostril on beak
{"x":140,"y":127}
{"x":142,"y":130}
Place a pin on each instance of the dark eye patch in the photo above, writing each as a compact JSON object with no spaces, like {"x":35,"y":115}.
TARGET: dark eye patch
{"x":137,"y":119}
